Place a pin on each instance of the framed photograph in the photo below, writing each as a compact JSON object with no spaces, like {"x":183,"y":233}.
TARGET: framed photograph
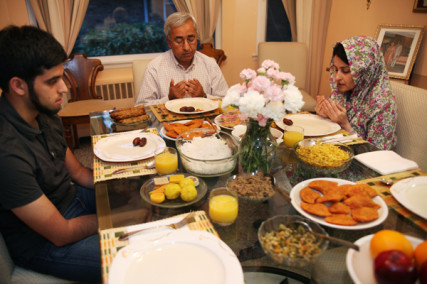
{"x":400,"y":45}
{"x":420,"y":6}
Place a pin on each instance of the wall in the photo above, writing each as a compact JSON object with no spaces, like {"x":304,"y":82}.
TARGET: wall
{"x":13,"y":12}
{"x":350,"y":18}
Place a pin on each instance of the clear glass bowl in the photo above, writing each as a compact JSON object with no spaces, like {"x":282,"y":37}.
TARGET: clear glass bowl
{"x":324,"y":166}
{"x":207,"y":167}
{"x":248,"y":197}
{"x":272,"y":225}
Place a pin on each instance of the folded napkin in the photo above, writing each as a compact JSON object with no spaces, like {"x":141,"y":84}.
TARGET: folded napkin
{"x":340,"y":138}
{"x":386,"y":162}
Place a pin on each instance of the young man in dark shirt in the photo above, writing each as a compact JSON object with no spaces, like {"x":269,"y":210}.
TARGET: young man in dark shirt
{"x":47,"y":203}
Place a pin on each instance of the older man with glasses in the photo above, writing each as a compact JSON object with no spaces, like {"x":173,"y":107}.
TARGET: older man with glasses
{"x":181,"y":71}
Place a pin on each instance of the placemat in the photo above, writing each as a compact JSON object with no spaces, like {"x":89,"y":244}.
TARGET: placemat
{"x":162,"y":114}
{"x":110,"y":244}
{"x":104,"y":170}
{"x":384,"y":191}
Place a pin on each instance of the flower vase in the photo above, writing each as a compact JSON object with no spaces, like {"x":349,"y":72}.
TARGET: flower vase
{"x":257,"y":148}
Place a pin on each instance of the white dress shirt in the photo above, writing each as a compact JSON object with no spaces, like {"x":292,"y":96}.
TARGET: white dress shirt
{"x":159,"y":72}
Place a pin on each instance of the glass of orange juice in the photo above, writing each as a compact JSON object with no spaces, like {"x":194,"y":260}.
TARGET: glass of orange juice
{"x":223,"y":206}
{"x":292,"y":135}
{"x":166,"y":162}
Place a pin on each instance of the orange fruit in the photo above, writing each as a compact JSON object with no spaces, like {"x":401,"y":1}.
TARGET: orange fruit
{"x":420,"y":253}
{"x":390,"y":240}
{"x":157,"y":197}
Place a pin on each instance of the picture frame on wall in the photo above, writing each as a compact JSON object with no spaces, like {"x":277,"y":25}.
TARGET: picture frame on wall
{"x":399,"y":45}
{"x":420,"y":6}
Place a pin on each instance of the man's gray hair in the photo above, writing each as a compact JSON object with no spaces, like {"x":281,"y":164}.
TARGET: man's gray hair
{"x":176,"y":20}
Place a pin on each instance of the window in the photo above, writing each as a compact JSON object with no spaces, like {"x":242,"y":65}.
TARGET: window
{"x":124,"y":27}
{"x":278,"y":27}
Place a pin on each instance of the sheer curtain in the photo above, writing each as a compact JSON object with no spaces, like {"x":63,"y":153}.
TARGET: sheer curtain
{"x":309,"y":21}
{"x":62,"y":18}
{"x":206,"y":15}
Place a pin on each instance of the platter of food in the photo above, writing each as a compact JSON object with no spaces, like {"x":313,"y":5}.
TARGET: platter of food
{"x":229,"y":120}
{"x":313,"y":125}
{"x":122,"y":147}
{"x":172,"y":130}
{"x":360,"y":264}
{"x":412,"y":193}
{"x":207,"y":260}
{"x":172,"y":188}
{"x":191,"y":105}
{"x":339,"y":203}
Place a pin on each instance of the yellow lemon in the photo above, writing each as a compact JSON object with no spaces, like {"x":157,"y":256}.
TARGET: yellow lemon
{"x":188,"y":193}
{"x":186,"y":181}
{"x":172,"y":191}
{"x":157,"y":197}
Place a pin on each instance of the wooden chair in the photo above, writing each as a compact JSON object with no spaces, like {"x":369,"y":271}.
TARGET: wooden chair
{"x":80,"y":74}
{"x":217,"y":54}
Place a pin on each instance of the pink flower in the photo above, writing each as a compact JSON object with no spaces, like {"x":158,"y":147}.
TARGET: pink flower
{"x":274,"y":93}
{"x":247,"y":74}
{"x":269,"y":64}
{"x":272,"y":73}
{"x":262,"y":121}
{"x":261,"y":83}
{"x":284,"y":76}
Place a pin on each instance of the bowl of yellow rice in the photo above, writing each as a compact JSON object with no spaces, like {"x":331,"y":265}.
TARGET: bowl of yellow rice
{"x":323,"y":158}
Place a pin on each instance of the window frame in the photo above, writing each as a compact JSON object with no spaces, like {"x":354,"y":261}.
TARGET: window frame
{"x":124,"y":61}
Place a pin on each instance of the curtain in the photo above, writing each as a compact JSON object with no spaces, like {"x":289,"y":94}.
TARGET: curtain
{"x":319,"y":28}
{"x":206,"y":15}
{"x":291,"y":10}
{"x":62,"y":18}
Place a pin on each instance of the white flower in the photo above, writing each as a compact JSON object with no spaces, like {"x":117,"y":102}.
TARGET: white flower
{"x":251,"y":104}
{"x":265,"y":96}
{"x":293,"y":99}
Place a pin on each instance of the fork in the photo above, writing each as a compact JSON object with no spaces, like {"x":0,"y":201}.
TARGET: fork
{"x":188,"y":219}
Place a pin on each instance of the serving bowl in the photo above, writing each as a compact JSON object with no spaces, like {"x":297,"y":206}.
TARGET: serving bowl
{"x":289,"y":243}
{"x":323,"y":158}
{"x":252,"y":186}
{"x":206,"y":153}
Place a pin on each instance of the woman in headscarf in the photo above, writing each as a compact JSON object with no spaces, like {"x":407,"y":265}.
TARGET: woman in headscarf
{"x":361,"y":100}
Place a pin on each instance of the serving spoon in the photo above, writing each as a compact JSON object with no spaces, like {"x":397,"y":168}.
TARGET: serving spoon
{"x":149,"y":165}
{"x":332,"y":239}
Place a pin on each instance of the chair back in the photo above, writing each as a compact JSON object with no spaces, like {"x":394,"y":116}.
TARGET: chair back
{"x":291,"y":56}
{"x":138,"y":69}
{"x":411,"y":122}
{"x":217,"y":54}
{"x":80,"y":72}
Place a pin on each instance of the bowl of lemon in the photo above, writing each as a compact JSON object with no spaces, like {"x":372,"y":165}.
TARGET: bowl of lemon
{"x":173,"y":191}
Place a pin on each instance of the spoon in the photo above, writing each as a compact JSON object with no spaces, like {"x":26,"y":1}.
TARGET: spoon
{"x":332,"y":239}
{"x":149,"y":165}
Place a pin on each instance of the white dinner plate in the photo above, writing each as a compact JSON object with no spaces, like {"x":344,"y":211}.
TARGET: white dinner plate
{"x":360,"y":264}
{"x":296,"y":203}
{"x":313,"y":125}
{"x":218,"y":122}
{"x":119,"y":147}
{"x":203,"y":104}
{"x":412,"y":193}
{"x":189,"y":257}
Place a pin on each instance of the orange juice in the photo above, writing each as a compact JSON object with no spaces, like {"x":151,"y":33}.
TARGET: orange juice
{"x":223,"y":209}
{"x":292,"y":137}
{"x":166,"y":163}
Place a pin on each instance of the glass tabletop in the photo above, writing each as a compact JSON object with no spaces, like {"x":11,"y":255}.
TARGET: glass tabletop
{"x":119,"y":204}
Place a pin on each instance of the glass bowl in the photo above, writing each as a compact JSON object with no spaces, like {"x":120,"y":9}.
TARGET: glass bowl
{"x":326,"y":164}
{"x":258,"y":193}
{"x":282,"y":249}
{"x":200,"y":148}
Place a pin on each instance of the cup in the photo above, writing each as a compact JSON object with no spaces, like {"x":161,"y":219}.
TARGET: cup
{"x":166,"y":162}
{"x":223,"y":206}
{"x":292,"y":135}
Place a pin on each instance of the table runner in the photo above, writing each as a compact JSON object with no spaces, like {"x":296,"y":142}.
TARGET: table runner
{"x":162,"y":114}
{"x":110,"y":244}
{"x":103,"y":170}
{"x":384,"y":191}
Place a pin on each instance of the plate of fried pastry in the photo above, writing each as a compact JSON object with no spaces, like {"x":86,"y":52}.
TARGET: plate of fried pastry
{"x":339,"y":203}
{"x":131,"y":118}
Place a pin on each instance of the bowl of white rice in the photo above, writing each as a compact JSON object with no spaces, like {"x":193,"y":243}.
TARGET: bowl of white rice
{"x":207,"y":154}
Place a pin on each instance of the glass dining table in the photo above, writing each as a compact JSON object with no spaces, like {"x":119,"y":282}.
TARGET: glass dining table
{"x":119,"y":204}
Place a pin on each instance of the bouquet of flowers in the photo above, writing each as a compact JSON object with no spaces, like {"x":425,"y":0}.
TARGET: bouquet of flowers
{"x":263,"y":97}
